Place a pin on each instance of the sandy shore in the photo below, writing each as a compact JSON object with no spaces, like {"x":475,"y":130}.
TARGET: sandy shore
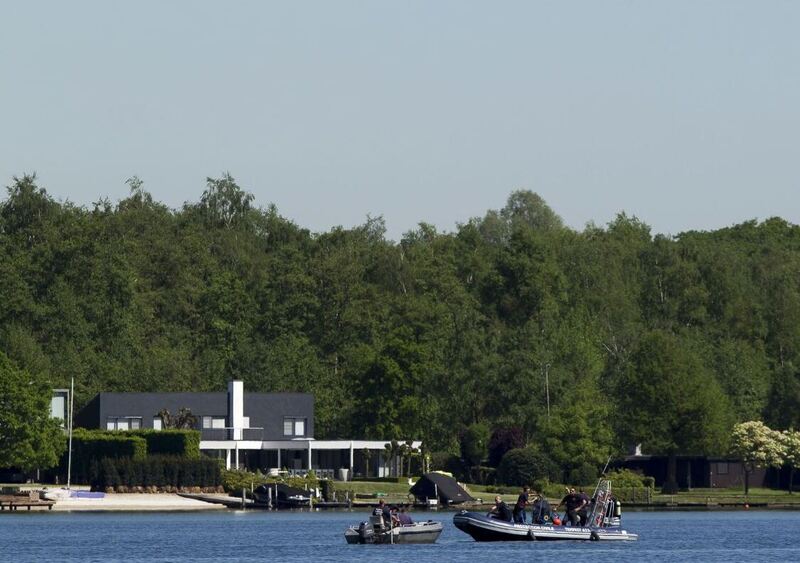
{"x":124,"y":501}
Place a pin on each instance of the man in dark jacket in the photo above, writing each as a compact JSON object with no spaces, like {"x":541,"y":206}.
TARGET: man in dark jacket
{"x":572,"y":502}
{"x":583,"y":511}
{"x":519,"y":507}
{"x":500,"y":510}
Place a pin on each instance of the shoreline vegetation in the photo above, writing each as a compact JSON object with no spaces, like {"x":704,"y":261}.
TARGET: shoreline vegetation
{"x":397,"y":493}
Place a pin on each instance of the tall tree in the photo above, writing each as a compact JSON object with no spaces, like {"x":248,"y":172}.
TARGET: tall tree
{"x":29,"y":438}
{"x":669,"y":402}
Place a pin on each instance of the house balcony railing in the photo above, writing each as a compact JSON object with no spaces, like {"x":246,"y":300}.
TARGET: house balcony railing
{"x":219,"y":434}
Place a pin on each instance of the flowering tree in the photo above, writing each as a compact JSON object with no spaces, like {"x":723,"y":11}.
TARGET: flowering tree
{"x":757,"y":446}
{"x":791,"y":454}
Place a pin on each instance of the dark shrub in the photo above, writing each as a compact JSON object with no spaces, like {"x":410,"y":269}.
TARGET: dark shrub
{"x":585,"y":474}
{"x":474,"y":444}
{"x":523,"y":466}
{"x":446,"y":461}
{"x":503,"y":440}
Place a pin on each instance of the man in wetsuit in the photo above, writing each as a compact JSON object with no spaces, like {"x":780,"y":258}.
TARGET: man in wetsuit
{"x":519,"y":507}
{"x":500,"y":510}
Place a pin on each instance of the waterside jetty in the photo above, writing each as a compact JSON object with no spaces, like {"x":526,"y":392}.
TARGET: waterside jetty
{"x":27,"y":500}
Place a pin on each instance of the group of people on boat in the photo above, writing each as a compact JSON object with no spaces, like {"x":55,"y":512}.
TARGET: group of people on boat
{"x":392,"y":515}
{"x":541,"y":511}
{"x":577,"y":506}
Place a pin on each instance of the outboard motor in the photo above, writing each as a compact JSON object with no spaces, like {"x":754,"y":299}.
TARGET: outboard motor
{"x":366,"y":533}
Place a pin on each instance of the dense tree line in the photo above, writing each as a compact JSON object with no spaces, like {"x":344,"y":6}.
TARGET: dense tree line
{"x":664,"y":341}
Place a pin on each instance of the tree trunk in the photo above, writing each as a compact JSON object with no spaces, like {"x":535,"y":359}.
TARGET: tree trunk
{"x":746,"y":481}
{"x":670,"y":486}
{"x":791,"y":479}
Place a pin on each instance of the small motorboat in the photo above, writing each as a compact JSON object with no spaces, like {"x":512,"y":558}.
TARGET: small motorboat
{"x":604,"y":524}
{"x":280,"y":495}
{"x":374,"y":531}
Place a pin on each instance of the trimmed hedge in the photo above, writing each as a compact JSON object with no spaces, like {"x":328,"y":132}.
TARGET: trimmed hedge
{"x":184,"y":443}
{"x":91,"y":447}
{"x":156,"y":471}
{"x":90,"y":444}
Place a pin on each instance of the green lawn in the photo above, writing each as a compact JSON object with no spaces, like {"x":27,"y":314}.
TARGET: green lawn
{"x":757,"y":495}
{"x":398,"y":492}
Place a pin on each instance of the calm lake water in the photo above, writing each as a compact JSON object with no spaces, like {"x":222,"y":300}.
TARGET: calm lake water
{"x":302,"y":536}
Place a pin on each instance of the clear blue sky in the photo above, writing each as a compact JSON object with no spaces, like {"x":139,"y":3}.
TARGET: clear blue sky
{"x":686,"y":114}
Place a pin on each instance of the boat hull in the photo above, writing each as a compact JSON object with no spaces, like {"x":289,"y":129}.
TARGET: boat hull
{"x":421,"y":532}
{"x":483,"y":528}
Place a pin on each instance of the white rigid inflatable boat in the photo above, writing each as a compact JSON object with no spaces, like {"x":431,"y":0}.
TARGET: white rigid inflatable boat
{"x":603,"y":524}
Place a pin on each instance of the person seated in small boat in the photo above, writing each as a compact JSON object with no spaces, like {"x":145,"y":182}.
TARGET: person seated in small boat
{"x":383,"y":510}
{"x":501,"y":511}
{"x":404,"y":518}
{"x":393,"y":513}
{"x":541,"y":511}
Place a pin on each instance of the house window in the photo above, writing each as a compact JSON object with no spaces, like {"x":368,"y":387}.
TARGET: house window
{"x":123,"y":423}
{"x":58,"y":406}
{"x":722,"y":468}
{"x":157,"y":423}
{"x":213,"y":422}
{"x":293,"y":426}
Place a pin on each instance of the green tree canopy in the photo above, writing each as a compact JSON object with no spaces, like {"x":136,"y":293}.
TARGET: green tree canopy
{"x":29,"y":438}
{"x":669,"y":401}
{"x":420,"y":337}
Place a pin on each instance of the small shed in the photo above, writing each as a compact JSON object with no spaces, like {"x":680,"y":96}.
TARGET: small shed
{"x":441,"y":486}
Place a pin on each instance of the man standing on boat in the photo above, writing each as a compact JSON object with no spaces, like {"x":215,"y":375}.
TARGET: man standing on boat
{"x":519,"y":507}
{"x":573,"y":502}
{"x":583,"y":511}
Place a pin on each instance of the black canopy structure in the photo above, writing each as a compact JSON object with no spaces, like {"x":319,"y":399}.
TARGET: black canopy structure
{"x":443,"y":487}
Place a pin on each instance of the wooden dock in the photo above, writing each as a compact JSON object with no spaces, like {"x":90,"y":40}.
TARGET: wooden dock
{"x":250,"y":504}
{"x":24,"y":500}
